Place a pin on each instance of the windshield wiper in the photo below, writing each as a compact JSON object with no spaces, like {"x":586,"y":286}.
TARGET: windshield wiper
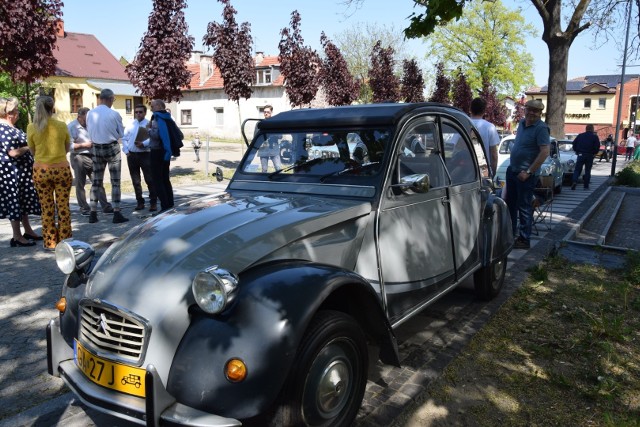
{"x":294,"y":166}
{"x":349,"y":169}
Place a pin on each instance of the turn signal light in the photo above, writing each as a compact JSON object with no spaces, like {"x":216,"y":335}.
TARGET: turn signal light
{"x":235,"y":370}
{"x":61,"y":305}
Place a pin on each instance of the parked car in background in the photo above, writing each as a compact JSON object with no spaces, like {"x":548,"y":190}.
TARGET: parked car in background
{"x":622,"y":149}
{"x":568,"y":159}
{"x":551,"y":171}
{"x":261,"y":303}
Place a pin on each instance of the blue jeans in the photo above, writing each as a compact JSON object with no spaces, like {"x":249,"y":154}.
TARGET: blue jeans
{"x":585,"y":160}
{"x":519,"y":198}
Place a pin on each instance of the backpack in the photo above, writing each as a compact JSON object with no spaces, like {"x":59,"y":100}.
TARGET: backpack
{"x":175,"y":137}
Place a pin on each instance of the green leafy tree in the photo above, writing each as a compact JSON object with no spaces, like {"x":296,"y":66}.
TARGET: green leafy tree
{"x":299,"y":64}
{"x":26,"y":94}
{"x":159,"y":69}
{"x":356,"y":43}
{"x":339,"y":85}
{"x":412,"y":82}
{"x":501,"y":57}
{"x":232,"y":54}
{"x":496,"y":111}
{"x":385,"y":85}
{"x":442,"y":86}
{"x":461,"y":93}
{"x":27,"y":40}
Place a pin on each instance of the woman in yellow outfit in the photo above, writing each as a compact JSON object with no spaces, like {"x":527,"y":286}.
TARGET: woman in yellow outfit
{"x":48,"y":140}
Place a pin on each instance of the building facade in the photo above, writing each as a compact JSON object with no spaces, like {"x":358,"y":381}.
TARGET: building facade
{"x":594,"y":100}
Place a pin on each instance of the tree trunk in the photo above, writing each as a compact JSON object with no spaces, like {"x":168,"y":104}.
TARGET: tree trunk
{"x":557,"y":87}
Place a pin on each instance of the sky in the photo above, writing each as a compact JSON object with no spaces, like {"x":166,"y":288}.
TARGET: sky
{"x":120,"y":25}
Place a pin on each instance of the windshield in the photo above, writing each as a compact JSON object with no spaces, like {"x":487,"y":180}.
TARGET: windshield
{"x":323,"y":154}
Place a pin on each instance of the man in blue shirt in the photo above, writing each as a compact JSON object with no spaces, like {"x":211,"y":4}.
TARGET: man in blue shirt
{"x":529,"y":151}
{"x":586,"y":145}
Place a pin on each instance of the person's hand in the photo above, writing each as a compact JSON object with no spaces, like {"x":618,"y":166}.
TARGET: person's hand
{"x":523,"y":176}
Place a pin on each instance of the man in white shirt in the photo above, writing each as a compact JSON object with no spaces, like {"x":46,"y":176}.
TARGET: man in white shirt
{"x":105,"y":129}
{"x":82,"y":164}
{"x":631,"y":143}
{"x":135,"y":145}
{"x":488,"y":132}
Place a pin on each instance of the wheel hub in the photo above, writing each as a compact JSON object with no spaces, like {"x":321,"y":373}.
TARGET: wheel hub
{"x":332,"y":386}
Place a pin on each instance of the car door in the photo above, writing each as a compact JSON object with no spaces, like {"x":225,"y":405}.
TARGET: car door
{"x":461,"y":159}
{"x":414,"y":235}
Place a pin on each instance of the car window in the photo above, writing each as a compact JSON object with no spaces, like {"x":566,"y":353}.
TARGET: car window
{"x":354,"y":152}
{"x":505,"y":146}
{"x":419,"y":153}
{"x":458,"y":155}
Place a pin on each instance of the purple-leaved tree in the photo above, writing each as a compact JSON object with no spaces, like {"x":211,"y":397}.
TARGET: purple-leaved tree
{"x":412,"y":82}
{"x":339,"y":85}
{"x":496,"y":112}
{"x":461,"y":93}
{"x":299,"y":64}
{"x":443,"y":86}
{"x":27,"y":39}
{"x":385,"y":85}
{"x":518,"y":111}
{"x":159,"y":69}
{"x":232,"y":54}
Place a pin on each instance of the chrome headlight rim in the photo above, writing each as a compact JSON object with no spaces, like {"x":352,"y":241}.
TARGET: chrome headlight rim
{"x":73,"y":255}
{"x":214,"y":289}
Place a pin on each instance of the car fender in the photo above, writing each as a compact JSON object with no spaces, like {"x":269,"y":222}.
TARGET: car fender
{"x":497,"y":237}
{"x":263,"y":328}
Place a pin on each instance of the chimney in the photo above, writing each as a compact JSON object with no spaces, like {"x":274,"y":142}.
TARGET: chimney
{"x":60,"y":28}
{"x":259,"y":58}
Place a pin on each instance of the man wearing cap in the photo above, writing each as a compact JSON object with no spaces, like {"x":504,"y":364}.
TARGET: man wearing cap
{"x":530,"y":149}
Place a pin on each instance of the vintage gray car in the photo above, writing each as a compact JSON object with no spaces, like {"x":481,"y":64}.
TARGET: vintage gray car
{"x":260,"y":304}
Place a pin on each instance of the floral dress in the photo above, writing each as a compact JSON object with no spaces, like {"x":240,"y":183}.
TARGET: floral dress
{"x":17,"y":193}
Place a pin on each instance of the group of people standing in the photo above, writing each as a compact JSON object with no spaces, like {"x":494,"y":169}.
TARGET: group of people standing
{"x":36,"y":179}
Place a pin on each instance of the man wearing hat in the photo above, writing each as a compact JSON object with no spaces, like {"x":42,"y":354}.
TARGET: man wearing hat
{"x":529,"y":151}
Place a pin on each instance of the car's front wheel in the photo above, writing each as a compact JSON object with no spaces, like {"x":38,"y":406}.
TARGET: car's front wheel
{"x":488,"y":280}
{"x":328,"y":378}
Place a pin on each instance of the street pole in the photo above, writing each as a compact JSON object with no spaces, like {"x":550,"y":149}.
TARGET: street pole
{"x":624,"y":67}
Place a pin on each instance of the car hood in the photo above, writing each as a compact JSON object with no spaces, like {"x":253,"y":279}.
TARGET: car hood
{"x":232,"y":231}
{"x":150,"y":269}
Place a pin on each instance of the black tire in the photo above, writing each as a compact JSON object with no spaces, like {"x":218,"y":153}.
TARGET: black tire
{"x":488,"y":280}
{"x":333,"y":349}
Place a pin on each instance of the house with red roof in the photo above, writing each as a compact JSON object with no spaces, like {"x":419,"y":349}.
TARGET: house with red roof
{"x":205,"y":108}
{"x":85,"y":67}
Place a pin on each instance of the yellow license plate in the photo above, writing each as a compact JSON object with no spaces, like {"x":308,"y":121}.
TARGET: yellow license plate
{"x":116,"y":376}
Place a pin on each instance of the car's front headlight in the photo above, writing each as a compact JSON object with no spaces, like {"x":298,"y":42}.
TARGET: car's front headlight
{"x":72,"y":255}
{"x":214,"y":289}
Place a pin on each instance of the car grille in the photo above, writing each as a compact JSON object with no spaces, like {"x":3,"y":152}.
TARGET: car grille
{"x":110,"y":332}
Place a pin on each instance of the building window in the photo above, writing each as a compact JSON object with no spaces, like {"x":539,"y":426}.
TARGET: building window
{"x":602,"y":103}
{"x":75,"y":96}
{"x":263,"y":77}
{"x":587,"y":103}
{"x":128,"y":105}
{"x":185,"y":117}
{"x":219,"y":116}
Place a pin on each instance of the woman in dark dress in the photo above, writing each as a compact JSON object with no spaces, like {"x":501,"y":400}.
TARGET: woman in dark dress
{"x":18,"y":197}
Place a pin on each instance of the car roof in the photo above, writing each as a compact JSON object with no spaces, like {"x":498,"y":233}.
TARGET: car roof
{"x":382,"y":114}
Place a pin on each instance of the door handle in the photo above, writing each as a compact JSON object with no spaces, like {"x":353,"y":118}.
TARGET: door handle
{"x":445,"y":201}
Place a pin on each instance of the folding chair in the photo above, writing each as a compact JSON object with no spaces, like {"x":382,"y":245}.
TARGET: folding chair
{"x":542,"y":207}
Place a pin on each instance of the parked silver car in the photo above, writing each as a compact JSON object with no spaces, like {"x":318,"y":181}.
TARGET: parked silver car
{"x":568,"y":159}
{"x":258,"y":304}
{"x":551,"y":171}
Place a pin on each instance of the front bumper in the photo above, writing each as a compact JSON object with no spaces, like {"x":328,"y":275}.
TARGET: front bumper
{"x":158,"y":408}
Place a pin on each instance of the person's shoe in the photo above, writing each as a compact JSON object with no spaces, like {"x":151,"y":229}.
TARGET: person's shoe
{"x":573,"y":186}
{"x":586,"y":187}
{"x":32,"y":237}
{"x":139,"y":206}
{"x":153,"y":207}
{"x":521,"y":244}
{"x":85,"y":213}
{"x":108,"y":210}
{"x":18,"y":244}
{"x":118,"y":218}
{"x":93,"y":217}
